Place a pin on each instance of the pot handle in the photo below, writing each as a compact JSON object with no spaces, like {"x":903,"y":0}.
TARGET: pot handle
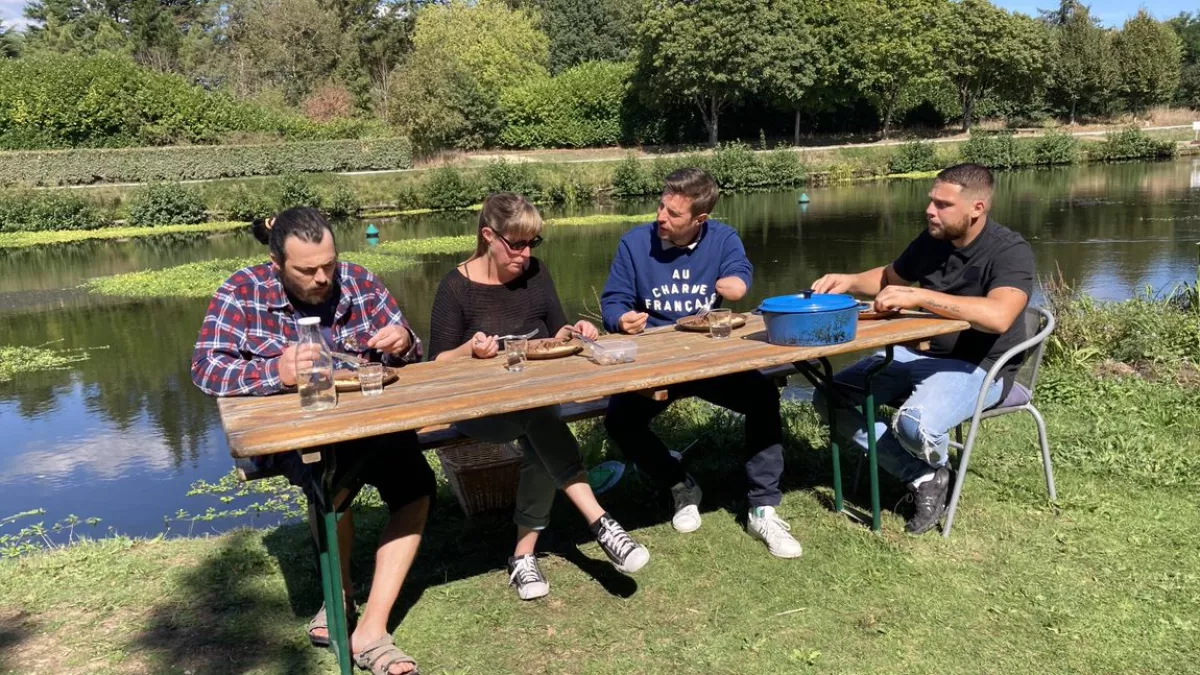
{"x":806,"y":293}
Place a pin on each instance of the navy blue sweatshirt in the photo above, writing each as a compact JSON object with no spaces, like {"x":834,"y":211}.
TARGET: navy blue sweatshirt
{"x":672,"y":282}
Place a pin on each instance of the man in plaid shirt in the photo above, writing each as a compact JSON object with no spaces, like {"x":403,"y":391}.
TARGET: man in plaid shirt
{"x":246,"y":347}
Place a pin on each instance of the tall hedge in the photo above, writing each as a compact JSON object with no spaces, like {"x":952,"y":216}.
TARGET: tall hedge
{"x":57,"y":101}
{"x":580,"y":107}
{"x":148,"y":165}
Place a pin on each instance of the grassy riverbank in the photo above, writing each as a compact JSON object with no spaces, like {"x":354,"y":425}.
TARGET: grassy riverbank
{"x":737,"y":167}
{"x":30,"y":239}
{"x":1103,"y":583}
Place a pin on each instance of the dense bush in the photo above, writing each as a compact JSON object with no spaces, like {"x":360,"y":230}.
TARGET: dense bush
{"x":147,"y":165}
{"x":45,"y":210}
{"x":447,"y":189}
{"x":295,"y":191}
{"x":997,"y":151}
{"x":630,"y":179}
{"x":504,"y":176}
{"x":344,"y":202}
{"x":1056,"y":148}
{"x":736,"y":167}
{"x":1131,"y":143}
{"x":250,"y":204}
{"x":914,"y":157}
{"x":165,"y":204}
{"x":57,"y":101}
{"x":580,"y":107}
{"x":784,"y":168}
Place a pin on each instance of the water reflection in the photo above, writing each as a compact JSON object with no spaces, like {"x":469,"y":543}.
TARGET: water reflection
{"x":122,"y":435}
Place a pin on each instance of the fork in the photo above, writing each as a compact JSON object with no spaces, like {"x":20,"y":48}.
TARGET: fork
{"x":703,"y":312}
{"x":517,"y":337}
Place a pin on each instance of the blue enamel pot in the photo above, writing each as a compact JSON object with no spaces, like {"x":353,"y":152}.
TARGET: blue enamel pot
{"x":809,"y":319}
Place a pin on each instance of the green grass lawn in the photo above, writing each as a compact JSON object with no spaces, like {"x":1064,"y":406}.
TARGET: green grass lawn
{"x":1108,"y":584}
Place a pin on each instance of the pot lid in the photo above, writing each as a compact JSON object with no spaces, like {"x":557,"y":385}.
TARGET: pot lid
{"x":806,"y":302}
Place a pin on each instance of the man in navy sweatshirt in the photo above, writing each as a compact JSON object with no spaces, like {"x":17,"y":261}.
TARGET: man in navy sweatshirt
{"x":666,"y":270}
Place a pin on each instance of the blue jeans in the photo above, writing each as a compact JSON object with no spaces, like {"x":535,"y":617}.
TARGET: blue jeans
{"x":940,"y":395}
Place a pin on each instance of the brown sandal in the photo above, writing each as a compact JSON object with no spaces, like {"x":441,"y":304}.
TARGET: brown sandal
{"x":320,"y":621}
{"x":379,"y":656}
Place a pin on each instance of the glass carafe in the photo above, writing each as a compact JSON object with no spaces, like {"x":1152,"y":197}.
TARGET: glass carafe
{"x":317,"y":391}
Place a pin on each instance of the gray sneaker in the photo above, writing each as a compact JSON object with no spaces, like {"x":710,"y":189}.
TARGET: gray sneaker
{"x":687,"y":506}
{"x":524,"y":573}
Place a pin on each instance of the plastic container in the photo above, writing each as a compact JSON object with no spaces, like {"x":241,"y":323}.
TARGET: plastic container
{"x":610,"y":352}
{"x":810,"y":319}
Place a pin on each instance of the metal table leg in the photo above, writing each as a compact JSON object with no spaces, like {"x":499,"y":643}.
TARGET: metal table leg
{"x":872,"y":458}
{"x":823,"y":379}
{"x":326,"y":517}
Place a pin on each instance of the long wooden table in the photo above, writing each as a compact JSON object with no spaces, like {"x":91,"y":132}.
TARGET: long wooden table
{"x":442,"y":393}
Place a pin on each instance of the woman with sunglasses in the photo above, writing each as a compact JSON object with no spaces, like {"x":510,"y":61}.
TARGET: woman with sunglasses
{"x":503,"y":290}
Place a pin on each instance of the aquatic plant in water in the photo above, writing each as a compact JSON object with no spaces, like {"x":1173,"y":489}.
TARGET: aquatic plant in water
{"x":18,"y":359}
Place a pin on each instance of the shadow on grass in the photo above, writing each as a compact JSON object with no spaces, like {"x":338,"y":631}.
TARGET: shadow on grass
{"x":14,"y":630}
{"x":229,"y":613}
{"x":226,"y":614}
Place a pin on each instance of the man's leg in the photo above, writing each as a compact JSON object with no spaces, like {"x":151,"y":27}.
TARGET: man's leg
{"x":944,"y":396}
{"x":628,"y":425}
{"x":406,"y":484}
{"x":890,"y":384}
{"x":755,"y":396}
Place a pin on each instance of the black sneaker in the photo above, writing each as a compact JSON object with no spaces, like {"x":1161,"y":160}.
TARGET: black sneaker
{"x":930,"y":503}
{"x":626,"y":555}
{"x":524,"y":573}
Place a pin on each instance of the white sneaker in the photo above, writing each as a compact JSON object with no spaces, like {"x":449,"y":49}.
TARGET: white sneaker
{"x":687,"y":506}
{"x":774,"y":531}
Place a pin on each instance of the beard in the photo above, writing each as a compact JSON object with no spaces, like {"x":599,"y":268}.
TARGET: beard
{"x":313,"y":295}
{"x":950,"y":231}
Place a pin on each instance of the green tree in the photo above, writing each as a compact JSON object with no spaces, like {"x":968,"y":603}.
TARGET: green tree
{"x":447,"y":92}
{"x":10,"y":43}
{"x":895,"y":50}
{"x":1187,"y":27}
{"x":706,"y":53}
{"x":291,"y":45}
{"x":990,"y":51}
{"x":795,"y":58}
{"x":1083,"y":69}
{"x":588,"y":30}
{"x":1149,"y":54}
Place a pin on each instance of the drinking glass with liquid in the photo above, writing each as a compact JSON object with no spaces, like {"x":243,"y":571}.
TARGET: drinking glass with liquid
{"x":720,"y":323}
{"x":515,"y":353}
{"x":314,"y":379}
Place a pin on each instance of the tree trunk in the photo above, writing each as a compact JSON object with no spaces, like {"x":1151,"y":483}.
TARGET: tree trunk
{"x":1073,"y":102}
{"x":796,"y":131}
{"x":967,"y":106}
{"x":714,"y":119}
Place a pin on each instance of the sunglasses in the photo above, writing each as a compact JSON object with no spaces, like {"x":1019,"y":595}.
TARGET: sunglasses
{"x":516,"y":246}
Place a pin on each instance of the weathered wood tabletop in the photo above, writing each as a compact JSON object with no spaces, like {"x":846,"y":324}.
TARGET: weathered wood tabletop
{"x":440,"y":393}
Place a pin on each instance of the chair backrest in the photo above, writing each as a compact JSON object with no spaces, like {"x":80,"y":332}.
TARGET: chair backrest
{"x":1039,"y":323}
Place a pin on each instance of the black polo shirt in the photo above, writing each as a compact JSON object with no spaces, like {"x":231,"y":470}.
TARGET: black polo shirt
{"x":997,"y":258}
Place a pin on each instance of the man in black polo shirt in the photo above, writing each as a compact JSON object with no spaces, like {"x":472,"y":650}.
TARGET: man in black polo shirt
{"x":966,"y":266}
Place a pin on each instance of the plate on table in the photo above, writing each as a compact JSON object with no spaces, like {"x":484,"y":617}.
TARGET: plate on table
{"x":866,"y":312}
{"x":699,"y":324}
{"x":347,"y":379}
{"x":552,"y":348}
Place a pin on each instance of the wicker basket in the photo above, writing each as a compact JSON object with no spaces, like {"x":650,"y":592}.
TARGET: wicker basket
{"x":483,"y":476}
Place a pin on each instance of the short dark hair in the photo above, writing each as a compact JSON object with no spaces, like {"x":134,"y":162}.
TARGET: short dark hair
{"x":968,"y":176}
{"x":304,"y":223}
{"x":696,"y":185}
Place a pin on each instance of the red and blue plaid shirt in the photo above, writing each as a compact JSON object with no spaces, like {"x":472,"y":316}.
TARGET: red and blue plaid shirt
{"x":250,"y":321}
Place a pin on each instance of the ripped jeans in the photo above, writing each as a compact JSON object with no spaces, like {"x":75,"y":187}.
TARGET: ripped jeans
{"x":941,"y":395}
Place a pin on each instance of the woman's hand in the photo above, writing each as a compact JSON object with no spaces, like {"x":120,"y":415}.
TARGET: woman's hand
{"x":484,"y":346}
{"x":589,"y":331}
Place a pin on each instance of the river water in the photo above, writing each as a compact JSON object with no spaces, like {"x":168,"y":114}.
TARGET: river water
{"x":122,"y":435}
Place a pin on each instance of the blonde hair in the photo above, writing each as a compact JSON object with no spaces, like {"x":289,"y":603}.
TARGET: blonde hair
{"x":509,"y":215}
